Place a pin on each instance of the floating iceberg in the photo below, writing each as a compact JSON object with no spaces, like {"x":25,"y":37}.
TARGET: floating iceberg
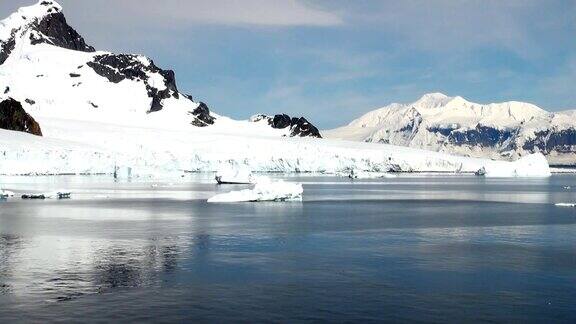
{"x":534,"y":165}
{"x":264,"y":190}
{"x":234,"y":176}
{"x":566,"y":205}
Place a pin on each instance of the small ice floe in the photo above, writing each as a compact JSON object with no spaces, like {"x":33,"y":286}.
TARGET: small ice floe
{"x":264,"y":190}
{"x":566,"y":205}
{"x":234,"y":176}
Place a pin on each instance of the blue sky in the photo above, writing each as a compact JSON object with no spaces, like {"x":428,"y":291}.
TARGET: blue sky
{"x":331,"y":61}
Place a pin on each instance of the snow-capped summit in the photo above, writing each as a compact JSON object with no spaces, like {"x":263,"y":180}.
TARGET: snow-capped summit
{"x":27,"y":16}
{"x":453,"y":124}
{"x":43,"y":22}
{"x":48,"y":67}
{"x":432,"y":100}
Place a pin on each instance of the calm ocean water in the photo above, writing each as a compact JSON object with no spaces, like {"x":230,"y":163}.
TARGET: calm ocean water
{"x":413,"y":248}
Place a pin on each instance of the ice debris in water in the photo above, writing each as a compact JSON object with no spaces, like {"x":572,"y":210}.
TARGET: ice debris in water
{"x":264,"y":190}
{"x":566,"y":205}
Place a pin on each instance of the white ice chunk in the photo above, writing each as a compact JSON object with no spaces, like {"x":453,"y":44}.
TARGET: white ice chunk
{"x":566,"y":205}
{"x":264,"y":190}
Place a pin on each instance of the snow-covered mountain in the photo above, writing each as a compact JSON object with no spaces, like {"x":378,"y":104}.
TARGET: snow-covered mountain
{"x":50,"y":69}
{"x":440,"y":123}
{"x":98,"y":112}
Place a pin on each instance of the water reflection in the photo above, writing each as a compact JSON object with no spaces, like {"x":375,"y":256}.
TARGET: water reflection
{"x":9,"y":245}
{"x":364,"y":233}
{"x":62,"y":268}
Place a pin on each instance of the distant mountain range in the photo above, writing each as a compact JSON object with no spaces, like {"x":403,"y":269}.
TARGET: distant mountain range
{"x":441,"y":123}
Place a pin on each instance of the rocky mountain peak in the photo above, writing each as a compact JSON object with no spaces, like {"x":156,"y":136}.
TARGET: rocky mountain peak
{"x":42,"y":23}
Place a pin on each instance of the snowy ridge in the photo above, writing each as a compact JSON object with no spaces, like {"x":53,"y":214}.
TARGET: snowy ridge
{"x":26,"y":16}
{"x":454,"y":125}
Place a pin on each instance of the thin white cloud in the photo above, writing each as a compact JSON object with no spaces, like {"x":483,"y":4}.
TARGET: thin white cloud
{"x":178,"y":13}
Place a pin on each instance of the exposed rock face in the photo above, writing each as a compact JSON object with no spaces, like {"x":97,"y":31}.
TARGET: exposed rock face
{"x":44,"y":23}
{"x":551,"y":140}
{"x":202,"y":116}
{"x":54,"y":30}
{"x":14,"y":117}
{"x":481,"y":136}
{"x":119,"y":67}
{"x":6,"y":48}
{"x":298,"y":126}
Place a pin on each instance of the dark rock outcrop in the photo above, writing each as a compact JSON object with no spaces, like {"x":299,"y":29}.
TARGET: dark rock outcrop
{"x":483,"y":136}
{"x":298,"y":126}
{"x":546,"y":141}
{"x":14,"y":117}
{"x":551,"y":140}
{"x":301,"y":127}
{"x":119,"y":67}
{"x":54,"y":30}
{"x":202,"y":117}
{"x":6,"y":48}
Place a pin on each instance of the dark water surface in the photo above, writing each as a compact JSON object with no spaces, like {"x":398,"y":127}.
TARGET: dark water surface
{"x":428,"y":248}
